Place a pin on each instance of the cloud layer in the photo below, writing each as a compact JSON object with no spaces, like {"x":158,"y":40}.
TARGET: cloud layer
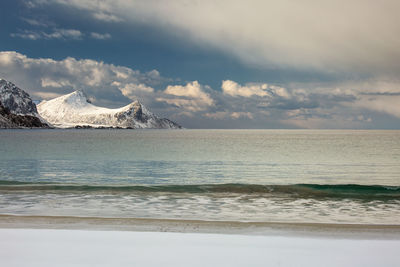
{"x":47,"y":77}
{"x":55,"y":34}
{"x":60,"y":34}
{"x":340,"y":36}
{"x":366,"y":104}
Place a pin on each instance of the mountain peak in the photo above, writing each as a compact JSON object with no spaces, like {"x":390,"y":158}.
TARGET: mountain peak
{"x":78,"y":93}
{"x":16,"y":100}
{"x":74,"y":109}
{"x":77,"y":98}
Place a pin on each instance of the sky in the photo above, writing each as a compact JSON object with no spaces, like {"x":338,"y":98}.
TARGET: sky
{"x":213,"y":64}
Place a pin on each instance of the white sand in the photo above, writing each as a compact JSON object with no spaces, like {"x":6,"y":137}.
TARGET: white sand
{"x":40,"y":247}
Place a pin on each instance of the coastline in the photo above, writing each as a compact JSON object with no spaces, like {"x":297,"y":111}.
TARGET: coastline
{"x":323,"y":230}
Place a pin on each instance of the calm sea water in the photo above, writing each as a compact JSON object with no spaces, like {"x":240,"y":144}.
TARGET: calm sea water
{"x":239,"y":175}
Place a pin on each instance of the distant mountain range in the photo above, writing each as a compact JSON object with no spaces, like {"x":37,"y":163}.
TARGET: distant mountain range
{"x":73,"y":110}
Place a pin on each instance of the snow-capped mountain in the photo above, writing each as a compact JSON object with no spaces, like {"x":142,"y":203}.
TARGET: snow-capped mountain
{"x":75,"y":109}
{"x":16,"y":100}
{"x":17,"y":109}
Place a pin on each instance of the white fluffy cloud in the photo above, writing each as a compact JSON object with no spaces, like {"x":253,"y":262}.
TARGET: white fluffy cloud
{"x":136,"y":91}
{"x":48,"y":82}
{"x":190,"y":97}
{"x":234,"y":89}
{"x":43,"y":77}
{"x":132,"y":88}
{"x":327,"y":36}
{"x":264,"y":90}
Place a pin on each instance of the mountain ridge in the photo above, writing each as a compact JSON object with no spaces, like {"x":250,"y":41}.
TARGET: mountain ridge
{"x":75,"y":110}
{"x":17,"y":109}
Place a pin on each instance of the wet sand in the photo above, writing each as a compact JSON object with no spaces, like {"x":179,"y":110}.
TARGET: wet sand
{"x":353,"y":231}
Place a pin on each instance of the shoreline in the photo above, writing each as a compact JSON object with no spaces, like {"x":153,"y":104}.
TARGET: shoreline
{"x":323,"y":230}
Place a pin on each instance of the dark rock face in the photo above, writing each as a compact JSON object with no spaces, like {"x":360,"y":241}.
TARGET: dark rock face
{"x":5,"y":122}
{"x":17,"y":109}
{"x":170,"y":124}
{"x":9,"y":120}
{"x":143,"y":116}
{"x":134,"y":111}
{"x":83,"y":127}
{"x":16,"y":100}
{"x":27,"y":121}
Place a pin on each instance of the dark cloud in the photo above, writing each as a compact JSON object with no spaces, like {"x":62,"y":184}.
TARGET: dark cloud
{"x":381,"y":93}
{"x":291,"y":104}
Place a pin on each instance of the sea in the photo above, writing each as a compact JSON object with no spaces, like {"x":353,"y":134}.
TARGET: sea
{"x":296,"y":176}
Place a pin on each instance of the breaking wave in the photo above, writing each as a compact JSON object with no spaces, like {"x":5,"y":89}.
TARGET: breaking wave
{"x":295,"y":190}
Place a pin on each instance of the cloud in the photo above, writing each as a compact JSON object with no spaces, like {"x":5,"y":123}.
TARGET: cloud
{"x":370,"y":95}
{"x":234,"y":89}
{"x":388,"y":104}
{"x":37,"y":23}
{"x":64,"y":34}
{"x":48,"y":82}
{"x":106,"y":17}
{"x":136,"y":91}
{"x":99,"y":10}
{"x":100,"y":36}
{"x":31,"y":35}
{"x":55,"y":34}
{"x":30,"y":4}
{"x":47,"y":95}
{"x":219,"y":115}
{"x":338,"y":106}
{"x":332,"y":36}
{"x":130,"y":88}
{"x":237,"y":115}
{"x":262,"y":89}
{"x":381,"y":93}
{"x":60,"y":34}
{"x":190,"y":97}
{"x":45,"y":77}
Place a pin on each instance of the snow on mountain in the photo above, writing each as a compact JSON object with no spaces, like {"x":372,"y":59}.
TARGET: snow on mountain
{"x":17,"y":108}
{"x":75,"y":109}
{"x":16,"y":100}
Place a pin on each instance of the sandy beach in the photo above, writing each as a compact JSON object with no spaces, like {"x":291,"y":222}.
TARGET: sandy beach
{"x":45,"y":247}
{"x":72,"y":241}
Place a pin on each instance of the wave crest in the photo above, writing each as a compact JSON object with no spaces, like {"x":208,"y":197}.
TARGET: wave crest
{"x":295,"y":190}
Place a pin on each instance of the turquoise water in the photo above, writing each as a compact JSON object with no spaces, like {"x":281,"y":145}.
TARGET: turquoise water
{"x":246,"y":175}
